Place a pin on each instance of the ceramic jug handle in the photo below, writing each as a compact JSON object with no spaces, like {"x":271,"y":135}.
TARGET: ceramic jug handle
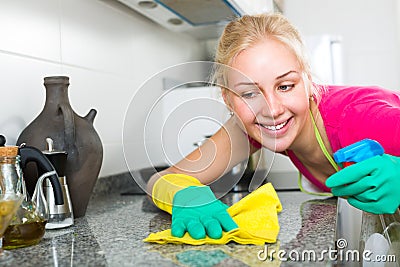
{"x":69,"y":126}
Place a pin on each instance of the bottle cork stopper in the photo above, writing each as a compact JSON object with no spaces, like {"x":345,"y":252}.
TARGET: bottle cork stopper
{"x":8,"y":151}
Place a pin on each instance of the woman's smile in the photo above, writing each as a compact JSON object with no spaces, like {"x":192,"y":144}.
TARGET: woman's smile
{"x":275,"y":129}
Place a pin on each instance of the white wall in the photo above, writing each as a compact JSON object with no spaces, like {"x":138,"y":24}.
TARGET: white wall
{"x":105,"y":49}
{"x":369,"y":30}
{"x":397,"y":9}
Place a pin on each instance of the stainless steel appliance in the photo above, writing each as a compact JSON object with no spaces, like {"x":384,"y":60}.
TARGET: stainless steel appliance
{"x":60,"y":216}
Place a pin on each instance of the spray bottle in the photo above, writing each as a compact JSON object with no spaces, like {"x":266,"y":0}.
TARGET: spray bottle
{"x":358,"y":152}
{"x":376,"y":243}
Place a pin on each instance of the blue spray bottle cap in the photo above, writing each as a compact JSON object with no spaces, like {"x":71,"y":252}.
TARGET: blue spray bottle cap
{"x":359,"y":151}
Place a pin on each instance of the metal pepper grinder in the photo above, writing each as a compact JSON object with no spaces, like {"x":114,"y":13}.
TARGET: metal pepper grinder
{"x":60,"y":216}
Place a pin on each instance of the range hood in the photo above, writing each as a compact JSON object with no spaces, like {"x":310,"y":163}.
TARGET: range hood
{"x":200,"y":18}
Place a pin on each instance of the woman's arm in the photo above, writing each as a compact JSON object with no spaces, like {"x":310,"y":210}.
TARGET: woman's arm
{"x":220,"y":153}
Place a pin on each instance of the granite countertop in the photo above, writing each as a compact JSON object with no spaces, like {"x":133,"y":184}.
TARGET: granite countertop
{"x":112,"y":231}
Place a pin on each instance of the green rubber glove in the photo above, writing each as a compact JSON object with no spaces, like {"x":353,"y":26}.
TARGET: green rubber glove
{"x":196,"y":210}
{"x":371,"y":185}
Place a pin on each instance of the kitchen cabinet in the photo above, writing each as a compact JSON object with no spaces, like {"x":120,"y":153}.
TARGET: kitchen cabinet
{"x":188,"y":116}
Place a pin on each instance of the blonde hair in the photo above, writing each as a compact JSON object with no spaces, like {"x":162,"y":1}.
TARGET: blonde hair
{"x":246,"y":31}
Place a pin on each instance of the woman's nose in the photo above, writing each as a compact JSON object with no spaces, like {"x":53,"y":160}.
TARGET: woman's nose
{"x":272,"y":106}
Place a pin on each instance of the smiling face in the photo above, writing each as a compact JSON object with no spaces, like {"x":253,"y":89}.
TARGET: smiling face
{"x":268,"y":95}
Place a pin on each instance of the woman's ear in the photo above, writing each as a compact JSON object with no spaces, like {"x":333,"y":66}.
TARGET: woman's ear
{"x":308,"y":84}
{"x":311,"y":84}
{"x":226,"y":95}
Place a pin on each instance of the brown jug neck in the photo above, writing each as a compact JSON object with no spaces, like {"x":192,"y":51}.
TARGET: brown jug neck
{"x":56,"y":91}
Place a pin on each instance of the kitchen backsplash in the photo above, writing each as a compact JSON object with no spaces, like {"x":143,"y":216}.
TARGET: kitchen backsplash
{"x":108,"y":51}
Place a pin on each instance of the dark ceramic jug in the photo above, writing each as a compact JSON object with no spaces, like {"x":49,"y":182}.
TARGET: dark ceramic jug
{"x":71,"y":133}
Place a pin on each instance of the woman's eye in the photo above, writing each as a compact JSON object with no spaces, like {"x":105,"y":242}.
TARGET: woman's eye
{"x":249,"y":95}
{"x":285,"y":87}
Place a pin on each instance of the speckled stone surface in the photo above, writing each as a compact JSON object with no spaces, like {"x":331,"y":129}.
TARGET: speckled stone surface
{"x":112,"y":231}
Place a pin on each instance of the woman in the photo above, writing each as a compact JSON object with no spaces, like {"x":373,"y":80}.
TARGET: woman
{"x":267,"y":85}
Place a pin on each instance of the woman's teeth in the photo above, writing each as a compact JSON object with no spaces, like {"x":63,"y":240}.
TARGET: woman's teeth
{"x":275,"y":127}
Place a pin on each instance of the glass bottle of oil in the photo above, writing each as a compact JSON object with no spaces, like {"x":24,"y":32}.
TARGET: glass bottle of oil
{"x":27,"y":227}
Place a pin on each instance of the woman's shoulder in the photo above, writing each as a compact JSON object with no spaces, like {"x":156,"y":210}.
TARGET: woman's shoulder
{"x":338,"y":98}
{"x":352,"y":113}
{"x":356,"y":93}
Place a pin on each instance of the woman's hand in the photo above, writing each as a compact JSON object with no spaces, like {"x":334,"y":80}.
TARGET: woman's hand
{"x":196,"y":210}
{"x":372,"y":185}
{"x":193,"y":206}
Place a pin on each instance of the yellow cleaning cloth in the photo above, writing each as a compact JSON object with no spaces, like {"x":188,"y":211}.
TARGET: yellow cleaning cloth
{"x":255,"y":214}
